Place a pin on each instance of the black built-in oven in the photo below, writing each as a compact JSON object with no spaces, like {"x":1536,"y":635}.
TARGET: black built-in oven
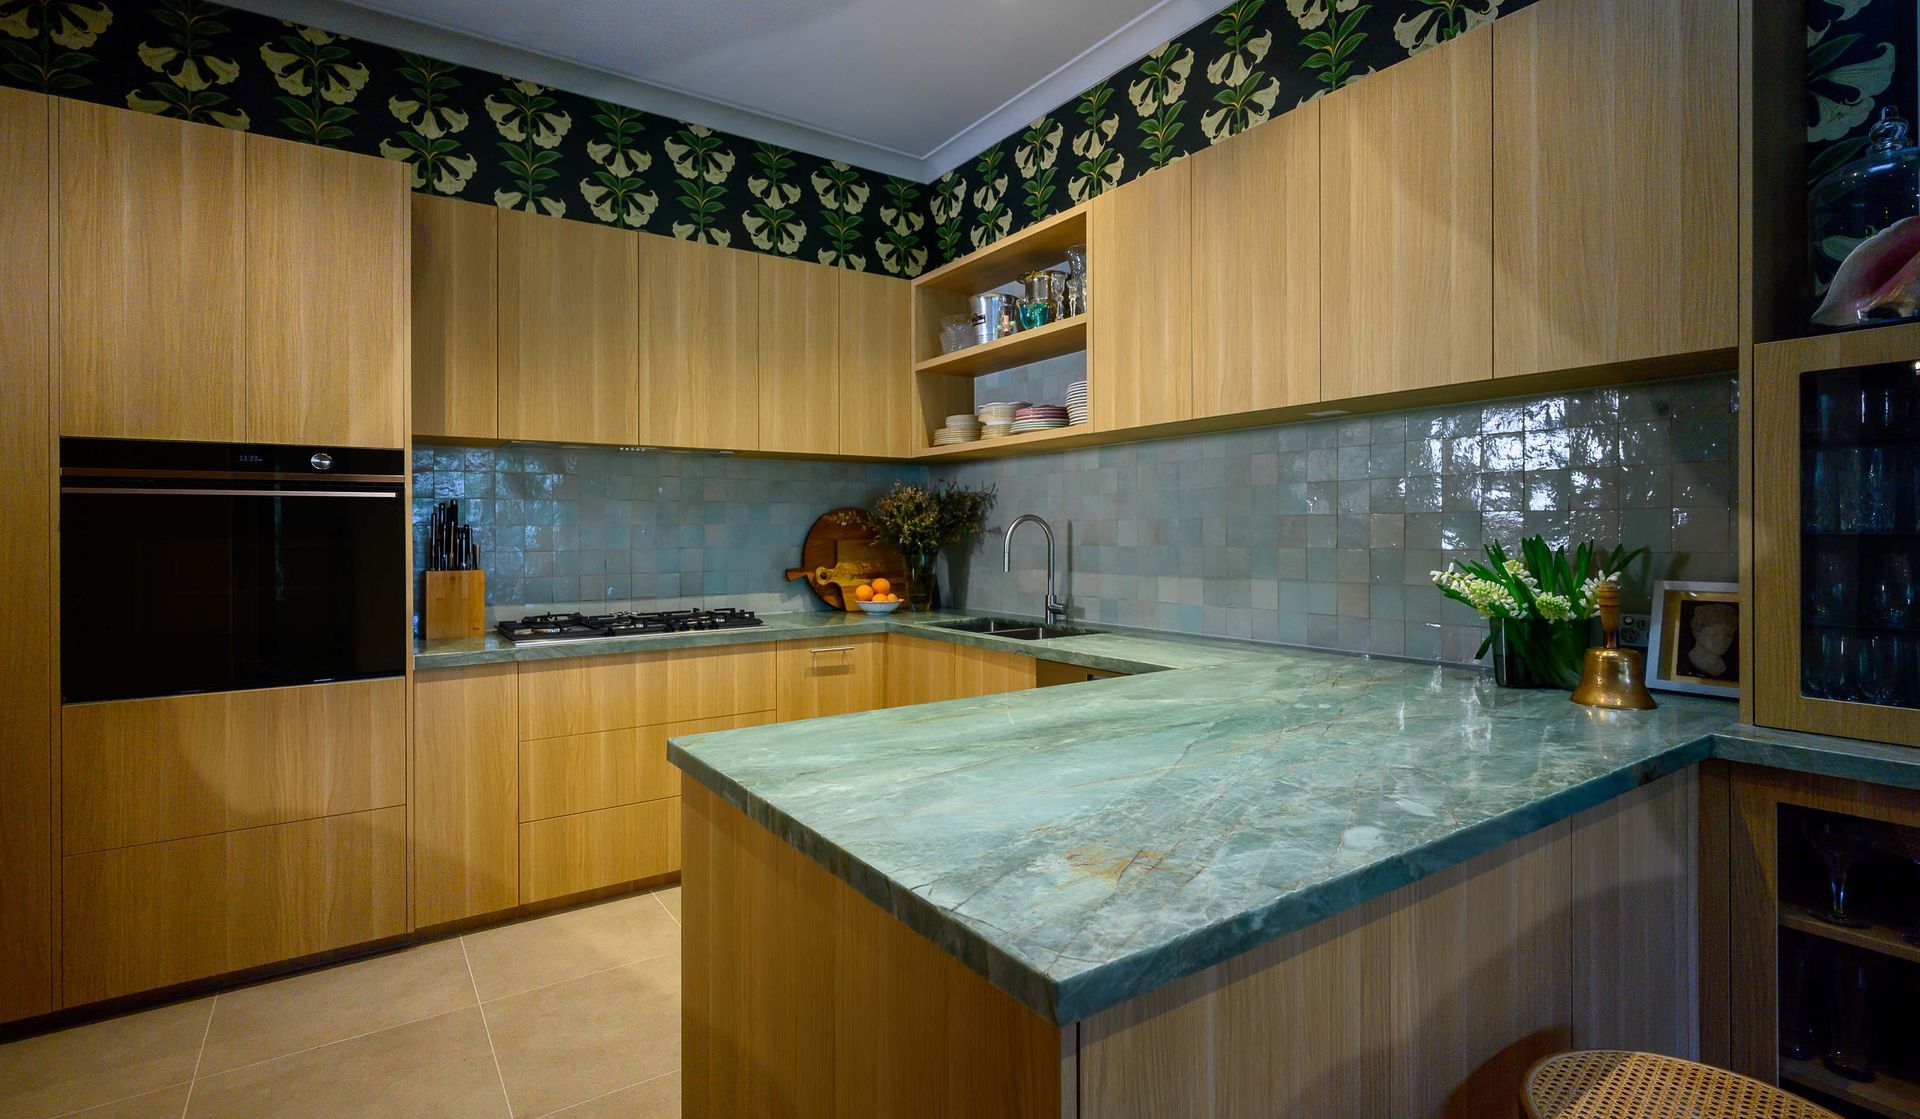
{"x":205,"y":567}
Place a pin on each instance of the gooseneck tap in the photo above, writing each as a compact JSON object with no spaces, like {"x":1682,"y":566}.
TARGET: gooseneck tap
{"x":1056,"y":604}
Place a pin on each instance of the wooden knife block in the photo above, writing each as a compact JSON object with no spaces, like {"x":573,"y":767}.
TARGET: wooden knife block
{"x":456,"y":604}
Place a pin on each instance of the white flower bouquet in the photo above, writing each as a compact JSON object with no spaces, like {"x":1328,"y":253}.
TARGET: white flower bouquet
{"x":1537,"y":605}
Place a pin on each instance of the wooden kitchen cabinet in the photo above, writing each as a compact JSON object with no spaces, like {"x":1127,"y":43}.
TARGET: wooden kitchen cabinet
{"x":150,"y":276}
{"x":456,"y":316}
{"x":593,"y":850}
{"x":606,"y":769}
{"x":876,"y":406}
{"x":1406,"y":184}
{"x":569,"y":328}
{"x":26,"y":550}
{"x":799,"y":359}
{"x":327,"y":296}
{"x":466,"y":825}
{"x":831,"y":676}
{"x":700,"y":358}
{"x":1256,"y":268}
{"x":1140,"y":254}
{"x":924,"y":670}
{"x":1616,"y":190}
{"x":585,"y":694}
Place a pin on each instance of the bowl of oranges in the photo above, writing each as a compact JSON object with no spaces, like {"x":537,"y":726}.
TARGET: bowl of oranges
{"x":877,"y":597}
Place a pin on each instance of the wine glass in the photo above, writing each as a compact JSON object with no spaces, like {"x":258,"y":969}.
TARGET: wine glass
{"x":1894,"y":598}
{"x":1853,"y":975}
{"x":1880,"y":657}
{"x":1830,"y":670}
{"x":1832,"y":592}
{"x":1841,"y":842}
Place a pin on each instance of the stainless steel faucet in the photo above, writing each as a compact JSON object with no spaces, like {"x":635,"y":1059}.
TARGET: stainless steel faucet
{"x":1056,"y":604}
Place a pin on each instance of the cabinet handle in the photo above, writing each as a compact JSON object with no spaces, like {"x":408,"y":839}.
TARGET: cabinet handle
{"x":832,"y":649}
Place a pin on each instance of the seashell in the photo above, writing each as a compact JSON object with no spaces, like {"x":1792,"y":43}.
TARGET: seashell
{"x":1877,"y":277}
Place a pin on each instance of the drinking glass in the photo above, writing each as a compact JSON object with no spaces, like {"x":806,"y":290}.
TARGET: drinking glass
{"x":1893,"y":599}
{"x":1882,"y":412}
{"x":1796,"y":1025}
{"x":1820,"y":489}
{"x":1828,"y":671}
{"x":1881,"y":656}
{"x":1837,"y":415}
{"x":1865,"y":477}
{"x":1035,"y":313}
{"x":1832,"y":592}
{"x":1847,"y":1038}
{"x":1841,"y":841}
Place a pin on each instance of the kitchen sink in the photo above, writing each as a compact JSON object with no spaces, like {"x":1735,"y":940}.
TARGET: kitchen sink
{"x":1018,"y":631}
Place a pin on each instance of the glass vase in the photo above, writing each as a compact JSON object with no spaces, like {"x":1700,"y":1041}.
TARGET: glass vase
{"x":920,"y":580}
{"x":1510,"y":669}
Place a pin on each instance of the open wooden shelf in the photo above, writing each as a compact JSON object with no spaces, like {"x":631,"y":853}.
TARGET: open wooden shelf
{"x":1056,"y":439}
{"x":1011,"y":257}
{"x":1884,"y":939}
{"x":1885,"y":1095}
{"x":1042,"y":342}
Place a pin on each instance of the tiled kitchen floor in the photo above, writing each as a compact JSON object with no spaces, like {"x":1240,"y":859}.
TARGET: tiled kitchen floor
{"x":574,"y":1015}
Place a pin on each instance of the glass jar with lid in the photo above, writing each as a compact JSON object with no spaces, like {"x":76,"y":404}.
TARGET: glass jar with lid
{"x":1865,"y":232}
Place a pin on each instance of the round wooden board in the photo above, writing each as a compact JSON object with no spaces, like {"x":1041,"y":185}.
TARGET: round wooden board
{"x":822,"y":549}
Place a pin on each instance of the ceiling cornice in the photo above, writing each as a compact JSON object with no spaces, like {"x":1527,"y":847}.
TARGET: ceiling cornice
{"x":1125,"y":45}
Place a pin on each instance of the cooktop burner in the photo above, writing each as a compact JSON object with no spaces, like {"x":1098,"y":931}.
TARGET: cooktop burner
{"x":568,"y":627}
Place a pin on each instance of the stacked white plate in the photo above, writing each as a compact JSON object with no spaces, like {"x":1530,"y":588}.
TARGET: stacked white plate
{"x":1003,"y":413}
{"x":1077,"y":403}
{"x":959,"y":429}
{"x":1039,"y":417}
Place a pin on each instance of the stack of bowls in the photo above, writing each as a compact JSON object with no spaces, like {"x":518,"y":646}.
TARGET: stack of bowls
{"x":959,"y":429}
{"x":1039,"y":417}
{"x":997,"y":419}
{"x":1077,"y":403}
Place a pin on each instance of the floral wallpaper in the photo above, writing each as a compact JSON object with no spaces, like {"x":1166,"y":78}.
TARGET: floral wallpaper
{"x":467,"y":133}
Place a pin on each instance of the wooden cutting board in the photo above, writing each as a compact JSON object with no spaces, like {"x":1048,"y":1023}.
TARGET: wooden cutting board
{"x":840,"y":538}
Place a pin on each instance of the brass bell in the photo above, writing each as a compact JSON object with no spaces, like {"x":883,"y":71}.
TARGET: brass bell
{"x":1612,"y":676}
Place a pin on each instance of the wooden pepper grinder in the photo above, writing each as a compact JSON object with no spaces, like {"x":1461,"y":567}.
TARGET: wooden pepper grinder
{"x":1612,"y":676}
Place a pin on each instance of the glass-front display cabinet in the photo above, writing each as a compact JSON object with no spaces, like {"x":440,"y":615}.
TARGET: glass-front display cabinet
{"x":1837,"y":559}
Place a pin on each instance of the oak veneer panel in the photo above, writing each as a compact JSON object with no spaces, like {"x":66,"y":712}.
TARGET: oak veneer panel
{"x":569,"y":330}
{"x":466,"y":828}
{"x":144,"y":770}
{"x":923,"y":670}
{"x":26,"y":549}
{"x":589,"y":850}
{"x":151,"y":276}
{"x":1140,"y":247}
{"x":877,"y":415}
{"x":327,"y":261}
{"x":1407,"y":249}
{"x":1617,"y":236}
{"x":1256,"y":268}
{"x":700,"y":356}
{"x":456,"y":318}
{"x":137,"y":918}
{"x":802,"y":998}
{"x":799,"y":359}
{"x":605,"y":769}
{"x":576,"y":695}
{"x":831,"y":676}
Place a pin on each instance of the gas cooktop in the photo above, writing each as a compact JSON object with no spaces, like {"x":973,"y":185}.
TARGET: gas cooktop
{"x":571,"y":627}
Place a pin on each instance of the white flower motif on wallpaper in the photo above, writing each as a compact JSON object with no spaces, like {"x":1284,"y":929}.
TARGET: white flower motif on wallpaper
{"x":531,"y":126}
{"x":1836,"y":117}
{"x":1248,"y":93}
{"x":303,"y":72}
{"x":702,"y":161}
{"x":1310,"y":14}
{"x":189,"y":69}
{"x":616,"y":193}
{"x":430,"y":141}
{"x":1440,"y":20}
{"x":773,"y":223}
{"x":1100,"y":165}
{"x":843,"y":195}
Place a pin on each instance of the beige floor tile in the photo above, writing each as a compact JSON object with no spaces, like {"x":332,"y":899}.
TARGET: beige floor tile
{"x":164,"y":1104}
{"x":437,"y":1069}
{"x":320,"y":1007}
{"x":658,"y":1098}
{"x":566,"y":1044}
{"x":105,"y":1061}
{"x":567,"y":945}
{"x":670,"y":897}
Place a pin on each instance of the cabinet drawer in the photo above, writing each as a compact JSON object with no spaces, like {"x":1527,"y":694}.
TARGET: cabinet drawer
{"x":588,"y":850}
{"x":143,"y":917}
{"x":832,"y":676}
{"x":147,"y":770}
{"x":603,"y":769}
{"x":922,"y":670}
{"x":578,"y":695}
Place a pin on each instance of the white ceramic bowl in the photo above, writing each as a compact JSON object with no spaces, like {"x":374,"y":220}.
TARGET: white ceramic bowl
{"x":882,"y":607}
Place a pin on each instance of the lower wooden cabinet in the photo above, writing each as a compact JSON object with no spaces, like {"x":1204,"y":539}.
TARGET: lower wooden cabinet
{"x":590,"y":850}
{"x":466,"y":789}
{"x":582,"y":694}
{"x":137,"y":918}
{"x":604,"y":769}
{"x":920,"y":670}
{"x":831,"y":676}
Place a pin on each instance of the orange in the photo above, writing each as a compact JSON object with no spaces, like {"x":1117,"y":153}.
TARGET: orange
{"x":881,"y":586}
{"x":864,"y":592}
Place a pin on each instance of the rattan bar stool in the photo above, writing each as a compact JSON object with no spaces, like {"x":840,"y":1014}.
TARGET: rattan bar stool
{"x":1616,"y":1084}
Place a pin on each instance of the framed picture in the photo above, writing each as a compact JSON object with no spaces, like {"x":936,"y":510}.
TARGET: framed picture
{"x":1693,"y":644}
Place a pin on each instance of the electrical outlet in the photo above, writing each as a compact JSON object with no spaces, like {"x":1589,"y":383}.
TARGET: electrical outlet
{"x":1634,"y":627}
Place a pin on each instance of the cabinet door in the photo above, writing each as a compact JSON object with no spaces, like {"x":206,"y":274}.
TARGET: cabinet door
{"x":26,"y":682}
{"x":920,"y":670}
{"x":569,"y":330}
{"x":150,"y":281}
{"x":876,"y":365}
{"x":327,"y":312}
{"x":1406,"y":182}
{"x":609,"y":768}
{"x":1140,"y":254}
{"x":1616,"y":192}
{"x":456,"y":315}
{"x":831,"y":676}
{"x":1256,"y":268}
{"x":799,"y":357}
{"x":592,"y":850}
{"x":466,"y":827}
{"x":579,"y":695}
{"x":700,"y":367}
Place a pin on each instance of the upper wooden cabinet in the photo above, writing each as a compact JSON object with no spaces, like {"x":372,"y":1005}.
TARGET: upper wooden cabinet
{"x":1139,"y":257}
{"x":569,"y":330}
{"x":327,"y":297}
{"x":1256,"y":268}
{"x":700,"y":366}
{"x":799,"y":369}
{"x":150,"y":282}
{"x":875,"y":399}
{"x":1616,"y":189}
{"x":1406,"y":187}
{"x":456,"y":317}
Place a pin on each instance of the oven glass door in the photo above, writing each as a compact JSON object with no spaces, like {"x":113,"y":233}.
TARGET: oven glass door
{"x":170,"y":589}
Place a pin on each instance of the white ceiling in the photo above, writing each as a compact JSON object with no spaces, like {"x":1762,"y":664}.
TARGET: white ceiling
{"x":910,"y":87}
